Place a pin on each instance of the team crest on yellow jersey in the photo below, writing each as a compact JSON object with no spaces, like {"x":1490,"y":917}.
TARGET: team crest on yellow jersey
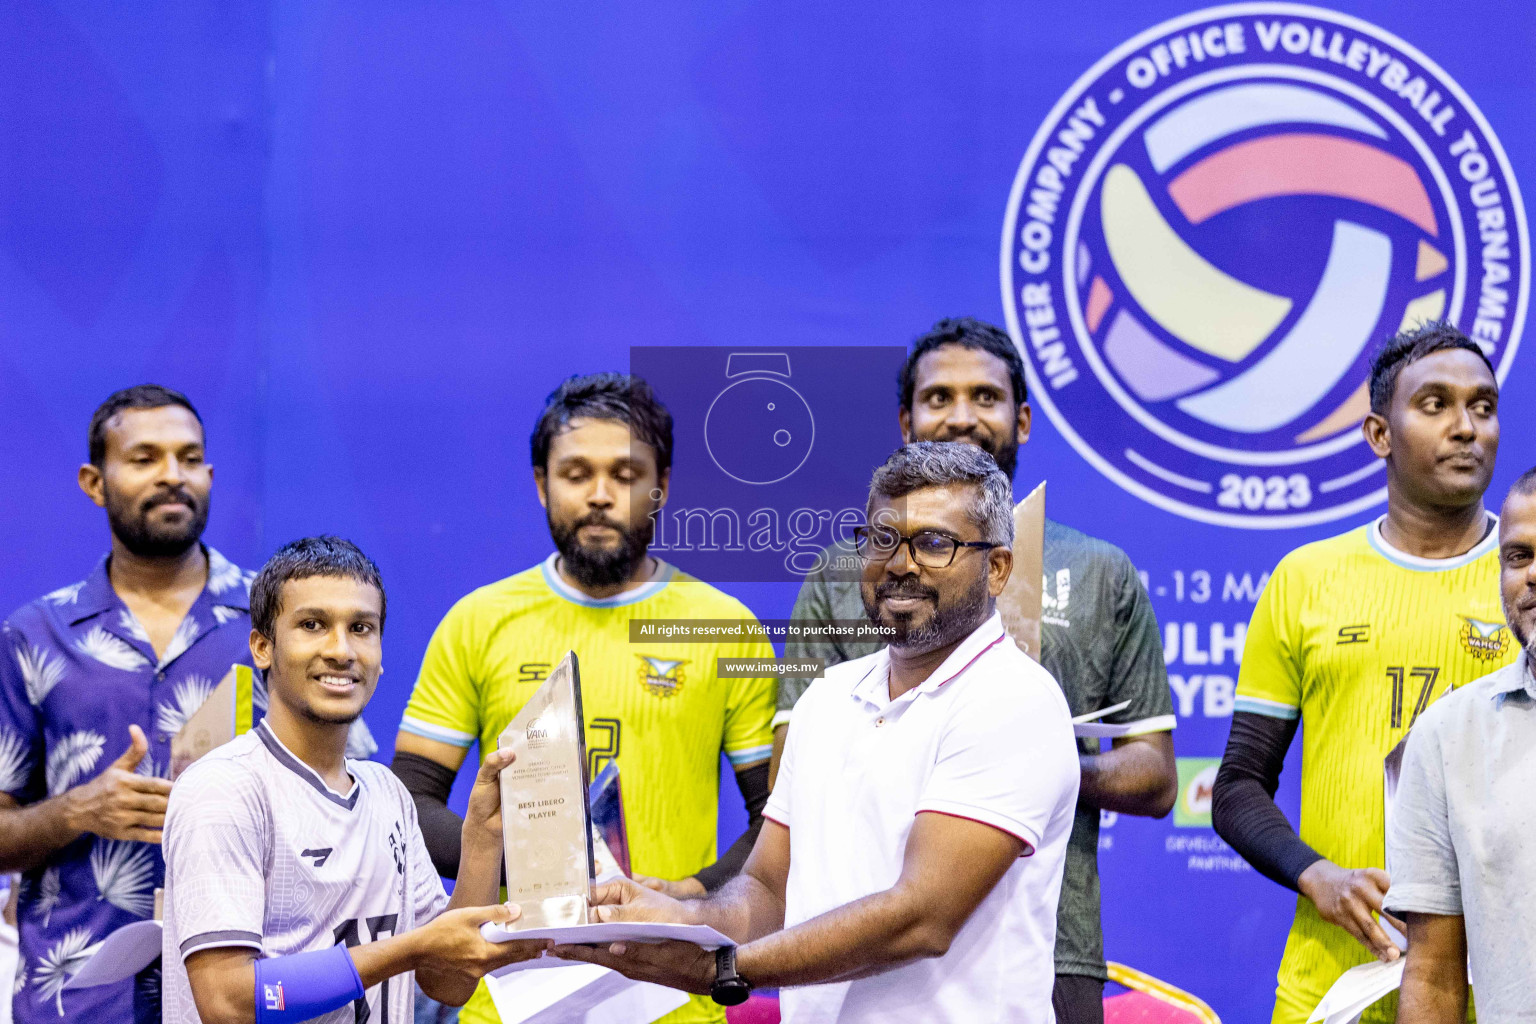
{"x":1485,"y":641}
{"x":662,"y":677}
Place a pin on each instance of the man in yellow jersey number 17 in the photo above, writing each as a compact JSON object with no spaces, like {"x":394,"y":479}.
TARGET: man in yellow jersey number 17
{"x":602,"y":451}
{"x":1354,"y":636}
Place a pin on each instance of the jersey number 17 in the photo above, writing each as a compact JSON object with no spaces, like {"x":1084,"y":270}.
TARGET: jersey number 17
{"x":1424,"y":674}
{"x":351,"y":933}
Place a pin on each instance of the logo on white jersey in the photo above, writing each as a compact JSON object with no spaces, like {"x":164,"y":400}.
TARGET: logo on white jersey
{"x":397,"y":847}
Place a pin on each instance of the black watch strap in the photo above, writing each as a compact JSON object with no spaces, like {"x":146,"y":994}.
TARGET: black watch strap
{"x":730,"y":988}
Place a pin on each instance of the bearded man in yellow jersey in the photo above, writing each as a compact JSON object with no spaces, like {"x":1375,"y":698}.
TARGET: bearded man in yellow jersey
{"x":1355,"y":636}
{"x":602,"y":452}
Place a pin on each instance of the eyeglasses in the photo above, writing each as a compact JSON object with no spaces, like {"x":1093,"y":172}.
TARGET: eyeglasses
{"x":929,"y":548}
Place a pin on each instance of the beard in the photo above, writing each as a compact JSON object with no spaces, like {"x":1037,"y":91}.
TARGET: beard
{"x":130,"y":524}
{"x":1004,"y":450}
{"x":601,"y":566}
{"x":1005,"y":453}
{"x":945,"y":625}
{"x":1515,"y":629}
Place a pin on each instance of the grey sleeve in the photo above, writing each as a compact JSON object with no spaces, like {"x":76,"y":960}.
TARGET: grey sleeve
{"x":216,"y":844}
{"x":1138,"y":673}
{"x":813,"y":604}
{"x":1421,"y":857}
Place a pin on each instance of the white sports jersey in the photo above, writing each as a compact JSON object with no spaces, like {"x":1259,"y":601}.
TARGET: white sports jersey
{"x":259,"y":852}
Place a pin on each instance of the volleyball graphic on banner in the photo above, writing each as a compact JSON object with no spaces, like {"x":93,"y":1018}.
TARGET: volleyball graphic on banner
{"x":1216,"y":227}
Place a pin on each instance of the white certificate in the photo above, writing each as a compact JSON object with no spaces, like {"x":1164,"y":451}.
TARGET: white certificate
{"x":122,"y":954}
{"x":573,"y":993}
{"x":617,"y":931}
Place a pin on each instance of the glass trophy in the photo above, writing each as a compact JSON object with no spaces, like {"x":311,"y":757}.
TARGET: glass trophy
{"x":545,"y":821}
{"x":610,"y":837}
{"x":229,"y":711}
{"x":1392,"y":770}
{"x":1022,"y":600}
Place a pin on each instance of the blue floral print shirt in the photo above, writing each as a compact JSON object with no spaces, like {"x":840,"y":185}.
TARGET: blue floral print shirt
{"x":76,"y":668}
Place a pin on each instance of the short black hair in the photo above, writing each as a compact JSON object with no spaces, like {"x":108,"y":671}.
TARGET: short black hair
{"x":605,"y":396}
{"x":140,"y":396}
{"x":301,"y":559}
{"x":1409,"y":347}
{"x":1524,"y":484}
{"x":967,"y":332}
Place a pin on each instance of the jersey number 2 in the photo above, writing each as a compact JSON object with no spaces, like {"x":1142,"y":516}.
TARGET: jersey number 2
{"x":598,"y":757}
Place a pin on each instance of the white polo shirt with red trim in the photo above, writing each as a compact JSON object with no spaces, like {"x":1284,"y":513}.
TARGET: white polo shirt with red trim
{"x":987,"y":737}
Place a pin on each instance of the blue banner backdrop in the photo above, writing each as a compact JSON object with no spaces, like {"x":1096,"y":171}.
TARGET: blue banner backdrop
{"x":368,"y":238}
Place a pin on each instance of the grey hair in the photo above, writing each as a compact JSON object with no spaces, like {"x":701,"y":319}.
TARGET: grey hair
{"x":937,"y":463}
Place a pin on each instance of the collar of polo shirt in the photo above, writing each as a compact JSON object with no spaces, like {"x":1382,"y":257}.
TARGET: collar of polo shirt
{"x":1516,"y":682}
{"x":874,"y":687}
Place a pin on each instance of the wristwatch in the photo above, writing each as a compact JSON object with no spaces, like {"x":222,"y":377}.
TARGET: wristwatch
{"x":730,"y":988}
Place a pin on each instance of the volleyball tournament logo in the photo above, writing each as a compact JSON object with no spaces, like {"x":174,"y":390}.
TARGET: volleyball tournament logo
{"x":1215,"y":228}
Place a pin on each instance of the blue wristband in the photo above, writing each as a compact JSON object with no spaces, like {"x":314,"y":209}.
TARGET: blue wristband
{"x":299,"y":987}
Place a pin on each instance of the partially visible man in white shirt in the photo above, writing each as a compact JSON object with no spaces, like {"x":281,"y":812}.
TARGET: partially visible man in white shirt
{"x":911,"y":854}
{"x":1460,"y":849}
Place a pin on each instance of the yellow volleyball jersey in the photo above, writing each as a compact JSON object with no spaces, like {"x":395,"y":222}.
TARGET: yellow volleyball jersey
{"x":1357,"y":638}
{"x":657,"y":708}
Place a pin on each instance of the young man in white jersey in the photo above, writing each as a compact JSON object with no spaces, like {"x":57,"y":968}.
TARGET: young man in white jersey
{"x":297,"y":884}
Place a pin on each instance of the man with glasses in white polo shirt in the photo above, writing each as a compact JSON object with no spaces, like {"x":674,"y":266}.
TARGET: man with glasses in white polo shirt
{"x":911,"y":853}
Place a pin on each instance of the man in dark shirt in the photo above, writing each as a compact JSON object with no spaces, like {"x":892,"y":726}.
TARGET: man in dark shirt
{"x":964,"y":381}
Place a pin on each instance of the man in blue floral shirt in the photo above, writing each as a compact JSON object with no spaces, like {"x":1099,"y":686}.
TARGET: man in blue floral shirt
{"x":95,"y":678}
